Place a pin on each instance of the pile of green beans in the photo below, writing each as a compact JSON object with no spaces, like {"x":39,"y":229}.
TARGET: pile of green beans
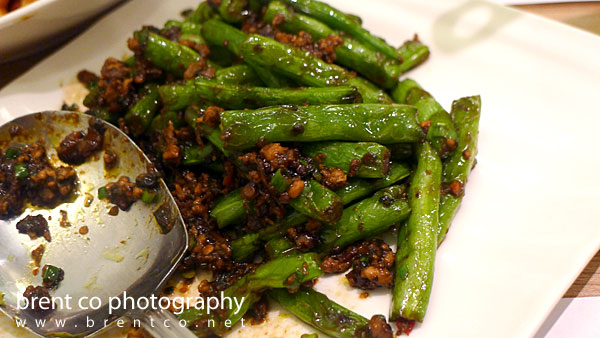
{"x":405,"y":158}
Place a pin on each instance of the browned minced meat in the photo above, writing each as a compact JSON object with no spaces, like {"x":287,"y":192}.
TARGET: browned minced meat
{"x":323,"y":49}
{"x":34,"y":226}
{"x":454,"y":188}
{"x":16,"y":130}
{"x":172,"y":33}
{"x":116,"y":86}
{"x":111,"y":159}
{"x":39,"y":299}
{"x":201,"y":48}
{"x":376,"y":328}
{"x":253,"y":24}
{"x":304,"y":239}
{"x":145,"y":71}
{"x":195,"y":194}
{"x":123,"y":192}
{"x":172,"y":154}
{"x":54,"y":283}
{"x":211,"y":116}
{"x":76,"y":147}
{"x":257,"y":314}
{"x":86,"y":77}
{"x":224,"y":279}
{"x":45,"y":186}
{"x":264,"y":203}
{"x":296,"y":188}
{"x":371,"y":262}
{"x":333,"y":178}
{"x":37,"y":254}
{"x":64,"y":219}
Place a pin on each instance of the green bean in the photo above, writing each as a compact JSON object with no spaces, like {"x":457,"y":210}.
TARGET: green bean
{"x":91,"y":100}
{"x":161,"y":121}
{"x":11,"y":153}
{"x":187,"y":27}
{"x":318,"y":202}
{"x":245,"y":246}
{"x":413,"y":53}
{"x":102,"y":193}
{"x":149,"y":197}
{"x":232,"y":10}
{"x":358,"y":188}
{"x":352,"y":53}
{"x":229,"y":209}
{"x":417,"y":239}
{"x":338,"y":20}
{"x":240,"y":74}
{"x":166,"y":54}
{"x":21,"y":171}
{"x":320,"y":312}
{"x":400,"y":151}
{"x":196,"y":155}
{"x":302,"y":67}
{"x":279,"y":182}
{"x":441,"y":133}
{"x":279,"y":247}
{"x":269,"y":78}
{"x":220,"y":34}
{"x":140,"y":116}
{"x":197,"y":39}
{"x":289,"y":271}
{"x":366,"y":218}
{"x":297,"y":65}
{"x":466,"y":113}
{"x":352,"y":122}
{"x":202,"y":13}
{"x":179,"y":96}
{"x":360,"y":159}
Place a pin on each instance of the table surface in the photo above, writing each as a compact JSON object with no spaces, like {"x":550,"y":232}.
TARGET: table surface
{"x":583,"y":15}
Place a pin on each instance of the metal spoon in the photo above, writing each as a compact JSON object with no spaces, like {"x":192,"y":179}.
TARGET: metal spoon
{"x":123,"y":253}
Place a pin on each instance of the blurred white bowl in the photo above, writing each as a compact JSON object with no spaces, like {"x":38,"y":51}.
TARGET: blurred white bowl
{"x":40,"y":24}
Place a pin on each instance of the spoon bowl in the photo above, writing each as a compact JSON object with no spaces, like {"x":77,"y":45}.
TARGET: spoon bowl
{"x":129,"y":253}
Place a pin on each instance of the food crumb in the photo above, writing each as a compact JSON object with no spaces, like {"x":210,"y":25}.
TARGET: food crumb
{"x":84,"y":230}
{"x":113,"y":255}
{"x":88,"y":200}
{"x":364,"y":295}
{"x":113,"y":211}
{"x":64,"y":219}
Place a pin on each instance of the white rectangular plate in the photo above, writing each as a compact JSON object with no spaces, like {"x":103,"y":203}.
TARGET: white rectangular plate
{"x":527,"y":224}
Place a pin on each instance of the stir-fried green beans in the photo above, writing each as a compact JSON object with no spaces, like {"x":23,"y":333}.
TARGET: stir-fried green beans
{"x":338,"y":20}
{"x":366,"y":218}
{"x":179,"y":96}
{"x":287,"y":133}
{"x":320,"y":312}
{"x":417,"y":239}
{"x":358,"y":122}
{"x":441,"y":131}
{"x":466,"y":113}
{"x":271,"y":275}
{"x":360,"y":159}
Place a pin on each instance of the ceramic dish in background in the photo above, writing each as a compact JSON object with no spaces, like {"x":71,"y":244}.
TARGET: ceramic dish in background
{"x":527,"y":225}
{"x":38,"y":24}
